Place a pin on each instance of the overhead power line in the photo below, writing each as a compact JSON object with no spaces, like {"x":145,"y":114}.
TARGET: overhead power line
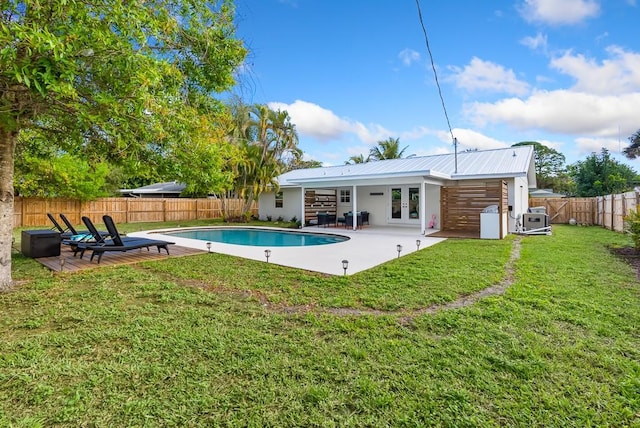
{"x":433,"y":67}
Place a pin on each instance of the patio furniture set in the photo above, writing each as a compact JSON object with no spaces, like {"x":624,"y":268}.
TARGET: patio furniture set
{"x":346,"y":220}
{"x":37,"y":243}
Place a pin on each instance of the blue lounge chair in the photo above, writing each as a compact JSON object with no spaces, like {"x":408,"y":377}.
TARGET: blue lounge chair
{"x":116,"y":242}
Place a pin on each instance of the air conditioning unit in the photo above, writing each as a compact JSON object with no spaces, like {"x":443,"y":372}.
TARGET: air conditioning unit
{"x":532,"y":221}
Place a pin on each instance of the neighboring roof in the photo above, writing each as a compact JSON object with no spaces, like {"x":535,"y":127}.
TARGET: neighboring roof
{"x":545,"y":193}
{"x":157,"y":188}
{"x":509,"y":162}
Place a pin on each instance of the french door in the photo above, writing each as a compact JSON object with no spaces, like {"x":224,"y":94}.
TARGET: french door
{"x":404,"y":204}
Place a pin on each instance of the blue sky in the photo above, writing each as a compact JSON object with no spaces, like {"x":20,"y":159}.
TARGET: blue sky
{"x":350,"y":73}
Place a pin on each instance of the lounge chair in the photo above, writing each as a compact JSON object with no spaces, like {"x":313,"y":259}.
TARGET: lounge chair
{"x":77,"y":233}
{"x":64,"y":233}
{"x":116,"y":242}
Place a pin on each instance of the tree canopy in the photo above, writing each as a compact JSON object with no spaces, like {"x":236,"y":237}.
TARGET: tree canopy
{"x":387,"y":149}
{"x":357,"y":159}
{"x":633,"y":151}
{"x":111,"y":82}
{"x":600,"y":174}
{"x":550,"y":165}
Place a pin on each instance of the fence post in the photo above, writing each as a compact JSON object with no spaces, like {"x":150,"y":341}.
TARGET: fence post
{"x":22,"y":215}
{"x":164,"y":209}
{"x":612,"y":214}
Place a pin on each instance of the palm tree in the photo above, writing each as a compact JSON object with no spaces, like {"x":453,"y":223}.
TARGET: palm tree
{"x":267,"y":141}
{"x":387,"y":149}
{"x":357,"y":159}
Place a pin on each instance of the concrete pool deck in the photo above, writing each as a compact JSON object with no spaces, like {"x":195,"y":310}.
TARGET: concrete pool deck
{"x":366,"y":248}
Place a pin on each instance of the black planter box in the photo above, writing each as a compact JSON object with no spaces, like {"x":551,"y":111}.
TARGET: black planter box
{"x":40,"y":243}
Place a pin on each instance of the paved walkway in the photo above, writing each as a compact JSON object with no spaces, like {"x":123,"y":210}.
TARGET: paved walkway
{"x":368,"y":247}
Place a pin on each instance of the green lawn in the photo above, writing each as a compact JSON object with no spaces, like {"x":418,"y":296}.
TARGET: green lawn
{"x":213,"y":340}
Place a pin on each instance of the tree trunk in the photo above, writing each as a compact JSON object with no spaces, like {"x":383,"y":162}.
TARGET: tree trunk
{"x":7,"y":149}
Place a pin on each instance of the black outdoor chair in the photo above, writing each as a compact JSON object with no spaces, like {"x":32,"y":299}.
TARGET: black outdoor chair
{"x":365,"y":217}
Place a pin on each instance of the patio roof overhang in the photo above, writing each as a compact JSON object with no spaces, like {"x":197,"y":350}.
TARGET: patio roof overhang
{"x":432,"y":177}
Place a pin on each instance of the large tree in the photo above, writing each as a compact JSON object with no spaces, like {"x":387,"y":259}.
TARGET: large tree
{"x":114,"y":79}
{"x":387,"y":149}
{"x":550,"y":165}
{"x":600,"y":174}
{"x":633,"y":151}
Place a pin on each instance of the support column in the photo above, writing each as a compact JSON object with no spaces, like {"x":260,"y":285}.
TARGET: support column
{"x":422,"y":209}
{"x":304,"y":207}
{"x":354,"y":217}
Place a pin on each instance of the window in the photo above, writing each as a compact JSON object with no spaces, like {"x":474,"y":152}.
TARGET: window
{"x":345,"y":196}
{"x":279,"y":200}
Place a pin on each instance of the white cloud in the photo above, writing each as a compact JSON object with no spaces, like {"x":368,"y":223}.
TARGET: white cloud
{"x":590,"y":145}
{"x":314,"y":121}
{"x":471,"y":139}
{"x":563,"y":111}
{"x":618,"y":74}
{"x":559,"y":12}
{"x":481,"y":75}
{"x":408,"y":56}
{"x":539,"y":42}
{"x":416,"y":133}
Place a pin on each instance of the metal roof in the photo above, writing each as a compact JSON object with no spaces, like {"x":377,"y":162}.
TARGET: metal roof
{"x":168,"y":187}
{"x":508,"y":162}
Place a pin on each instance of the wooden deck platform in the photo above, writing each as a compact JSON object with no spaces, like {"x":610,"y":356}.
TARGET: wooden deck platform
{"x":456,"y":234}
{"x":73,"y":264}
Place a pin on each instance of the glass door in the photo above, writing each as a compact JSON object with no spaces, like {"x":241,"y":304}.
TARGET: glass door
{"x":405,"y":204}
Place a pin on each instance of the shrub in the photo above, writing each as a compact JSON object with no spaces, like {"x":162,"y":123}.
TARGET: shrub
{"x":632,"y":227}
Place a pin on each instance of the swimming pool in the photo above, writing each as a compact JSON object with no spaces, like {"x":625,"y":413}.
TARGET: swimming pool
{"x":259,"y":237}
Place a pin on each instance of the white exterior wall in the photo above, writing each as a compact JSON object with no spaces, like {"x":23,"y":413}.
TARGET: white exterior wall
{"x":291,"y":205}
{"x":375,"y":204}
{"x":432,"y":196}
{"x":518,"y":199}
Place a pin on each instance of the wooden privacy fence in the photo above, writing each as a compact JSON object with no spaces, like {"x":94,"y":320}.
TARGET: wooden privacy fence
{"x":561,"y":210}
{"x":30,"y":212}
{"x":607,"y":211}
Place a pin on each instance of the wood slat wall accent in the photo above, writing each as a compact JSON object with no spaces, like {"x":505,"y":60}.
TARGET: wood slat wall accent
{"x":319,"y":200}
{"x":30,"y":212}
{"x":461,"y":205}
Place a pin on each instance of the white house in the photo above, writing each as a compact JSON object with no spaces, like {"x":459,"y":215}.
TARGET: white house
{"x":445,"y":192}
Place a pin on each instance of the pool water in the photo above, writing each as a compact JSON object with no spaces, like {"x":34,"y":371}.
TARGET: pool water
{"x":259,"y":237}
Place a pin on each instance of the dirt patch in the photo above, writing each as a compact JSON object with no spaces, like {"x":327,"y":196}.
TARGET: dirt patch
{"x":629,"y":255}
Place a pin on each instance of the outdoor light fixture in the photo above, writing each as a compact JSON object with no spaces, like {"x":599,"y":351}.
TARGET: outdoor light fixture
{"x":267,"y":254}
{"x":399,"y":248}
{"x":209,"y":247}
{"x":418,"y":244}
{"x":61,"y":263}
{"x":345,"y":265}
